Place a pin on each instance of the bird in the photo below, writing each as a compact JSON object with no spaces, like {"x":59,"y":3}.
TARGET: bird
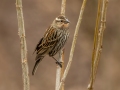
{"x":52,"y":41}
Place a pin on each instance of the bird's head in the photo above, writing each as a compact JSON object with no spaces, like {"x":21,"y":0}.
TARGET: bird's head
{"x":61,"y":22}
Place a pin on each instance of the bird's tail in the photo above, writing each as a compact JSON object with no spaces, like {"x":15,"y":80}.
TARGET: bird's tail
{"x":38,"y":59}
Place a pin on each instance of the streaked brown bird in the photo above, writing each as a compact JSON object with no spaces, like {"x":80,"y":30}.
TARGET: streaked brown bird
{"x":53,"y":40}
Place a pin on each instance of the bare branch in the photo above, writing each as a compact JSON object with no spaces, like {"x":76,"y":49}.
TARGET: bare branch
{"x":63,"y":7}
{"x":59,"y":72}
{"x":95,"y":43}
{"x":21,"y":32}
{"x":98,"y":43}
{"x":73,"y":45}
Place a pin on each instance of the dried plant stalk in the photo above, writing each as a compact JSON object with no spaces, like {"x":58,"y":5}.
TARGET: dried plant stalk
{"x":63,"y":5}
{"x":95,"y":42}
{"x":98,"y":39}
{"x":59,"y":72}
{"x":21,"y":32}
{"x":62,"y":69}
{"x":73,"y":45}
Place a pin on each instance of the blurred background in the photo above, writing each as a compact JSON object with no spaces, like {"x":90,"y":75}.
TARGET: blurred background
{"x":38,"y":15}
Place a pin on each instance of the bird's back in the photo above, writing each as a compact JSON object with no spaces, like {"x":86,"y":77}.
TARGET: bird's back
{"x":60,"y":42}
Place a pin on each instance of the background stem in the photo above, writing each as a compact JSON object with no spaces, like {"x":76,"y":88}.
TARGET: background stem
{"x":73,"y":45}
{"x":98,"y":39}
{"x":21,"y":33}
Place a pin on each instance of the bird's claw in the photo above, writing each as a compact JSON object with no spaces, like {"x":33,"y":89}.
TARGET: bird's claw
{"x":59,"y":63}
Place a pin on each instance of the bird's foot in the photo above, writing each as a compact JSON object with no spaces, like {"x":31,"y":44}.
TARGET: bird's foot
{"x":59,"y":63}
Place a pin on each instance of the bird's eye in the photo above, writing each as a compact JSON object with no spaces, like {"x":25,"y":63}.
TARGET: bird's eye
{"x":61,"y":20}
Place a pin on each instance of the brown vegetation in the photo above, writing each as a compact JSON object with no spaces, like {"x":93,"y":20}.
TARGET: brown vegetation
{"x":38,"y":15}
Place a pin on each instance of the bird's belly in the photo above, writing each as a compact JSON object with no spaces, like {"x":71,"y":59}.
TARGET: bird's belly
{"x":56,"y":48}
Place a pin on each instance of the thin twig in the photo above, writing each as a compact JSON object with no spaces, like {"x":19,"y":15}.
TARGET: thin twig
{"x":99,"y":41}
{"x":101,"y":32}
{"x":62,"y":69}
{"x":21,"y":32}
{"x":73,"y":44}
{"x":95,"y":44}
{"x":59,"y":72}
{"x":63,"y":5}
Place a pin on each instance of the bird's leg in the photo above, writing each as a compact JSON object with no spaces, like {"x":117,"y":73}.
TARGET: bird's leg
{"x":57,"y":62}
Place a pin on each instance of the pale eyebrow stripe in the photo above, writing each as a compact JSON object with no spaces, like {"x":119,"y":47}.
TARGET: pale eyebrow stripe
{"x":58,"y":19}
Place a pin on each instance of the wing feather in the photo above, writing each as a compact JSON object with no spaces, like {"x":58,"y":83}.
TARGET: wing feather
{"x":48,"y":41}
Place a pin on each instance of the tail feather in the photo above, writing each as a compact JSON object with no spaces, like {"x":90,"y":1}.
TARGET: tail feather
{"x":36,"y":64}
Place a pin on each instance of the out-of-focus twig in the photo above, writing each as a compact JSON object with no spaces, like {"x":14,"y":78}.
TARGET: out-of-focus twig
{"x":63,"y":5}
{"x":98,"y":39}
{"x":21,"y":32}
{"x":60,"y":71}
{"x":95,"y":43}
{"x":73,"y":45}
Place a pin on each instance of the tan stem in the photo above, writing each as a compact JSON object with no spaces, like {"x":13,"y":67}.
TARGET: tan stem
{"x":63,"y":5}
{"x":21,"y":32}
{"x":73,"y":45}
{"x":59,"y":72}
{"x":98,"y":43}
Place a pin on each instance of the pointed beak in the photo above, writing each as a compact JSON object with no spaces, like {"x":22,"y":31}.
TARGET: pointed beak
{"x":67,"y":21}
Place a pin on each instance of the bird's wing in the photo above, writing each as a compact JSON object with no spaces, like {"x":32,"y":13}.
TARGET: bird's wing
{"x":49,"y":40}
{"x":50,"y":37}
{"x":38,"y":45}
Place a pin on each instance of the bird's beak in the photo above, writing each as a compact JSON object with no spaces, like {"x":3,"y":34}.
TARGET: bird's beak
{"x":67,"y":21}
